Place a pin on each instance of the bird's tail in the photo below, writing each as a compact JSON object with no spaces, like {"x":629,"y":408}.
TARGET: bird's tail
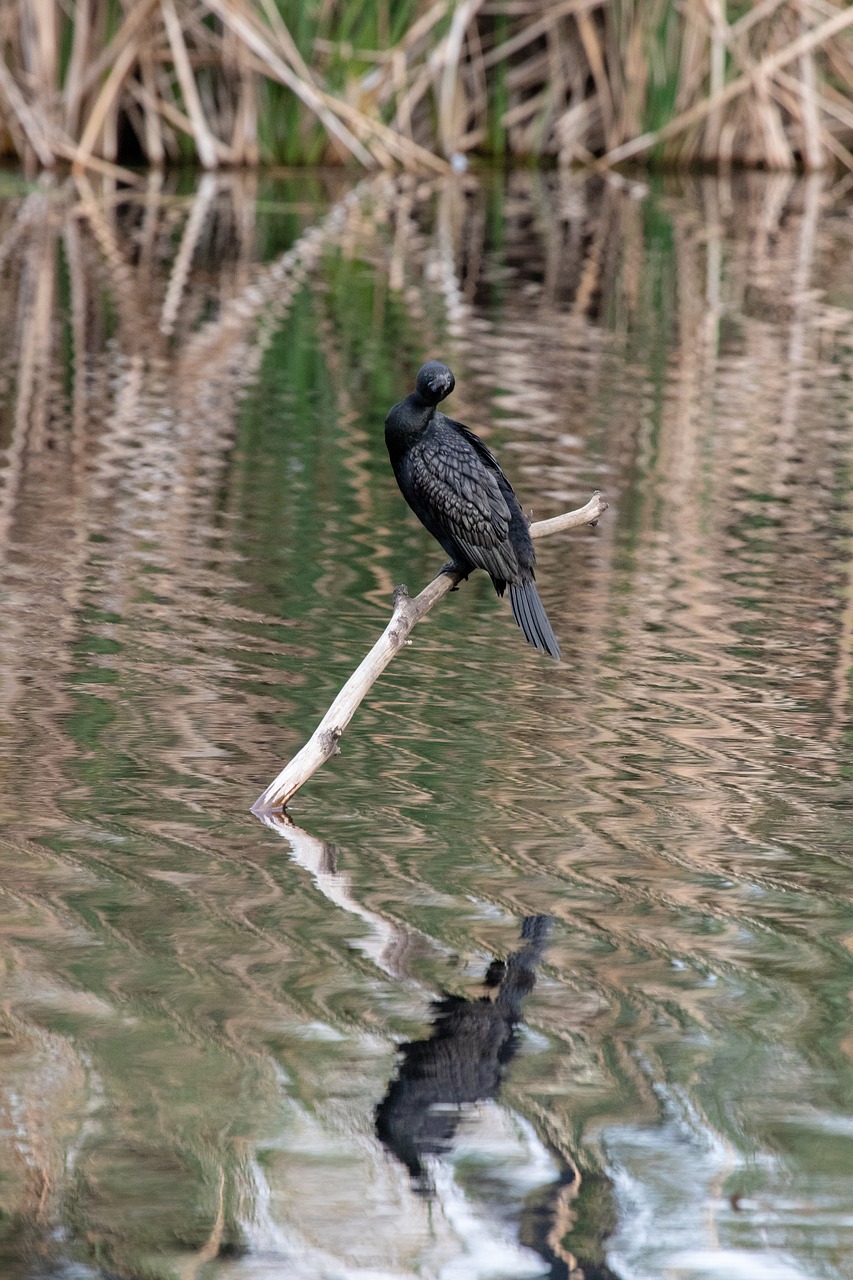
{"x":530,"y":615}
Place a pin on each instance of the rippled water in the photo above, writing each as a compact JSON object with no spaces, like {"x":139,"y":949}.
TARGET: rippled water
{"x":554,"y":970}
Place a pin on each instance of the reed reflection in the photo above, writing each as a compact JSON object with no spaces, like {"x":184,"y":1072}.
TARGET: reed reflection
{"x":198,"y":539}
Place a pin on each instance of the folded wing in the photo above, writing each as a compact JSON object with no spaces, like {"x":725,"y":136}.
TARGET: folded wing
{"x":454,"y":481}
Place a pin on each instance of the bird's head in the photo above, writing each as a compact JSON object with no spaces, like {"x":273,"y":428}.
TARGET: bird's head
{"x":435,"y":382}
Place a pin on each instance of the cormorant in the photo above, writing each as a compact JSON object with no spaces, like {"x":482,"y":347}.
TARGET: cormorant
{"x":456,"y":488}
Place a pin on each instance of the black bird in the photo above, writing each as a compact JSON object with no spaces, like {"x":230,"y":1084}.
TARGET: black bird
{"x":456,"y":488}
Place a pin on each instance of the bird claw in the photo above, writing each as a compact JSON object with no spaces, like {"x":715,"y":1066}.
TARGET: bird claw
{"x":452,"y":567}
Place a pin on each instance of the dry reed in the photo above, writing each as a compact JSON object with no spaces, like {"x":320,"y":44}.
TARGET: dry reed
{"x":232,"y":82}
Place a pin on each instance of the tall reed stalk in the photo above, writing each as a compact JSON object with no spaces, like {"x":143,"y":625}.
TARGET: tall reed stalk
{"x":419,"y":83}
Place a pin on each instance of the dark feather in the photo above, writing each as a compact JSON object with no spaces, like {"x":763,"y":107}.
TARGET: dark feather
{"x":529,"y":613}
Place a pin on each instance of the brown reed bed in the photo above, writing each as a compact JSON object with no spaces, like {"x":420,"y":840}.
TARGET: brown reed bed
{"x":110,"y":83}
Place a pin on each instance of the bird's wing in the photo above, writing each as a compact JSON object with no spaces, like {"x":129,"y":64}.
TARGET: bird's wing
{"x":482,"y":450}
{"x":452,"y":480}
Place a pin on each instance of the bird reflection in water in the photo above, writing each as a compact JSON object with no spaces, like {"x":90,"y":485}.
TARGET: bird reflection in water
{"x":462,"y":1062}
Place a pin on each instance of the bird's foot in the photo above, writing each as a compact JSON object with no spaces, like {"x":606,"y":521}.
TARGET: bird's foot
{"x":453,"y":568}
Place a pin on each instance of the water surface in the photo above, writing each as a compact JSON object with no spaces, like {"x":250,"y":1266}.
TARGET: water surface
{"x":552,"y":974}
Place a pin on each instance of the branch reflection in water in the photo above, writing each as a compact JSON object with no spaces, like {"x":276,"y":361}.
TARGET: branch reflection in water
{"x":517,"y":1173}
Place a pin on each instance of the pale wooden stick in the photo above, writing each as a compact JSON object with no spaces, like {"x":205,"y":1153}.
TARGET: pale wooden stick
{"x":451,"y":87}
{"x":323,"y":743}
{"x":110,"y":92}
{"x":204,"y":139}
{"x":814,"y":157}
{"x":26,"y":117}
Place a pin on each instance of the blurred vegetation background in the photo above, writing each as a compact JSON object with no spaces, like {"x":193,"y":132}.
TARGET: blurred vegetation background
{"x":108,"y":84}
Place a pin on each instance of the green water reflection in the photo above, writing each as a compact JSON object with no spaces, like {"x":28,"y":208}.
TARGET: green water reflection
{"x":199,"y":538}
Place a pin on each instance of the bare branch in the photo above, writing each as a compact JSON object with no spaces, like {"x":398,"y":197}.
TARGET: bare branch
{"x":408,"y":612}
